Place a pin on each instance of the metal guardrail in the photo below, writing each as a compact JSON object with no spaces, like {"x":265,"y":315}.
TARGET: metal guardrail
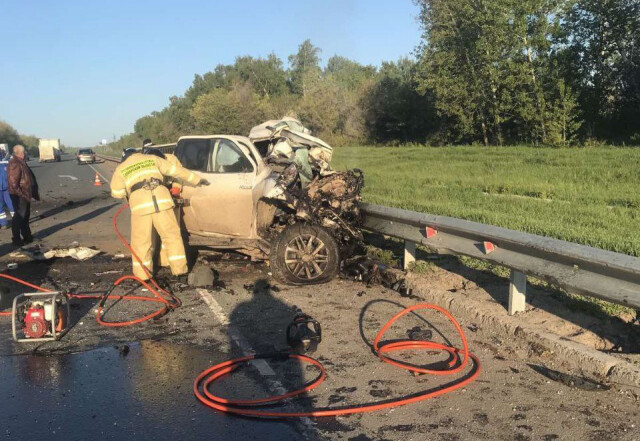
{"x":108,"y":158}
{"x":579,"y":269}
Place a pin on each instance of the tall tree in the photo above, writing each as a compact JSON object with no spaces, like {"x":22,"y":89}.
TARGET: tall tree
{"x":394,"y":110}
{"x":605,"y":45}
{"x":454,"y":66}
{"x":267,"y":76}
{"x":8,"y":135}
{"x":492,"y":66}
{"x":304,"y":66}
{"x":230,"y":112}
{"x":348,"y":73}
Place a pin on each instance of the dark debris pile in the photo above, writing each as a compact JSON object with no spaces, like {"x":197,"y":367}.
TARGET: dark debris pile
{"x":373,"y":272}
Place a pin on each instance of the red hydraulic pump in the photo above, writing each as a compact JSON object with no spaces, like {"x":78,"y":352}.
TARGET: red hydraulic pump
{"x":40,"y":315}
{"x":37,"y":320}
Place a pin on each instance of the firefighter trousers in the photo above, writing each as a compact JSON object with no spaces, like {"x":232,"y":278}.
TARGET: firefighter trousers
{"x":161,"y":256}
{"x":165,"y":223}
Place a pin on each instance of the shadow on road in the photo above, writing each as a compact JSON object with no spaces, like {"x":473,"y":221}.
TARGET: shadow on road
{"x":263,"y":321}
{"x":70,"y":205}
{"x":85,"y":217}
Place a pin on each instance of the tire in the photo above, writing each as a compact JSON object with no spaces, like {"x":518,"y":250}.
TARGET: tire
{"x":292,"y":262}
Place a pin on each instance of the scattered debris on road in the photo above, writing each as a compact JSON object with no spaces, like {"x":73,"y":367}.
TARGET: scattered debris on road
{"x":108,"y":272}
{"x":78,"y":253}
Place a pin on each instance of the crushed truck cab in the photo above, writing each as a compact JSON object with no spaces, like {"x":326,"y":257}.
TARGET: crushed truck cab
{"x":303,"y":234}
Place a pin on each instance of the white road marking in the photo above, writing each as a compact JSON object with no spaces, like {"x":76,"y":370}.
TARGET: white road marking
{"x":263,"y":367}
{"x":73,"y":178}
{"x":99,"y":174}
{"x":235,"y":334}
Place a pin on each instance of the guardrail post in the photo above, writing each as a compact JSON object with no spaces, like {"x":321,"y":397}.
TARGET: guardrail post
{"x":517,"y":292}
{"x":409,"y":253}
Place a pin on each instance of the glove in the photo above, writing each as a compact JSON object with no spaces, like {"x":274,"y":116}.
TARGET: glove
{"x":203,"y":182}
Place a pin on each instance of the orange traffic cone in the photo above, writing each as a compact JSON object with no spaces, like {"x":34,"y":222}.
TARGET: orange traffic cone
{"x":97,"y":182}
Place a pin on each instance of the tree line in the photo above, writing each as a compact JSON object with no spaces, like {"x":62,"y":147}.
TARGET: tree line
{"x":343,"y":102}
{"x":10,"y":136}
{"x":488,"y":72}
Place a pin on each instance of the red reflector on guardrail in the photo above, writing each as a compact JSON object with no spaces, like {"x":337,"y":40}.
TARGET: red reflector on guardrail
{"x":431,"y":232}
{"x":488,"y":247}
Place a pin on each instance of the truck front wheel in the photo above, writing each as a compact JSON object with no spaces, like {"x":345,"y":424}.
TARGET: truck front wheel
{"x":304,"y":255}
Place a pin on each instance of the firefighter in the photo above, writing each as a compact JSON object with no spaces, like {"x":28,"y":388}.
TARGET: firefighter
{"x":174,"y":186}
{"x":139,"y":178}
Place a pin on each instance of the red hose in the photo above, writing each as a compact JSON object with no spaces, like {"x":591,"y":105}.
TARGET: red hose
{"x":168,"y":300}
{"x":204,"y":381}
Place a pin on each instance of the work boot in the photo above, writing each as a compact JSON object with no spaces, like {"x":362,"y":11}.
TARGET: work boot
{"x":17,"y":242}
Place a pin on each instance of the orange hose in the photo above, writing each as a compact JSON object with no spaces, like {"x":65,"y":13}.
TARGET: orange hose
{"x":203,"y":382}
{"x":168,"y":300}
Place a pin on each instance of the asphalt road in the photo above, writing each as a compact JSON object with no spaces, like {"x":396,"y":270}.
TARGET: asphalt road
{"x":135,"y":382}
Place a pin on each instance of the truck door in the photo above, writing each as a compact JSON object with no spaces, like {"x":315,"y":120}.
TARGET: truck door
{"x":225,"y":207}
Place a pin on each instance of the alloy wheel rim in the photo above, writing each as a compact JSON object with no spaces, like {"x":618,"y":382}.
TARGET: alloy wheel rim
{"x":306,"y":257}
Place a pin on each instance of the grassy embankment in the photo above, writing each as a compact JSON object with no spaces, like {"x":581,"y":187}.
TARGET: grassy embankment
{"x":589,"y":195}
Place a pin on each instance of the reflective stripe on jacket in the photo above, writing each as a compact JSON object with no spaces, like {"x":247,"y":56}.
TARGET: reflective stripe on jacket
{"x":139,"y":168}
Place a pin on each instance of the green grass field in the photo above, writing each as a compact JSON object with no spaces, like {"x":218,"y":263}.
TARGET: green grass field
{"x":588,"y":195}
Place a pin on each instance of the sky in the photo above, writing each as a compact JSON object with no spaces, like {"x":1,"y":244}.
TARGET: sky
{"x":85,"y":70}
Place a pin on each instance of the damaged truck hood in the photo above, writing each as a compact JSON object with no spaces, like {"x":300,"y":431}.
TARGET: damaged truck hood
{"x":293,"y":130}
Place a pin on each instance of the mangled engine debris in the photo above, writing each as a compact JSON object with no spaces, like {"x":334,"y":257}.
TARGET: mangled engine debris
{"x":329,"y":201}
{"x":307,"y":189}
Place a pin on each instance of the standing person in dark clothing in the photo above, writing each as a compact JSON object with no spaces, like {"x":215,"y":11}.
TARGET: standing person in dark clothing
{"x":22,"y":188}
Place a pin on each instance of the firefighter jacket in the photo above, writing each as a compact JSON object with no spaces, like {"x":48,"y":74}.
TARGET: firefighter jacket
{"x":172,"y":182}
{"x":140,"y":179}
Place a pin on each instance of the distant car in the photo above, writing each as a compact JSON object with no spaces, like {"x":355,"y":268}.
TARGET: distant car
{"x":86,"y":156}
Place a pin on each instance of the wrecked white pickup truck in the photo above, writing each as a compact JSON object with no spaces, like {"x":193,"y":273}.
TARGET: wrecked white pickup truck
{"x":272,"y":195}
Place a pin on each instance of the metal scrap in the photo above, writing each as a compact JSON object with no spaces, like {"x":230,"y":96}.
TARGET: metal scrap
{"x":373,"y":272}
